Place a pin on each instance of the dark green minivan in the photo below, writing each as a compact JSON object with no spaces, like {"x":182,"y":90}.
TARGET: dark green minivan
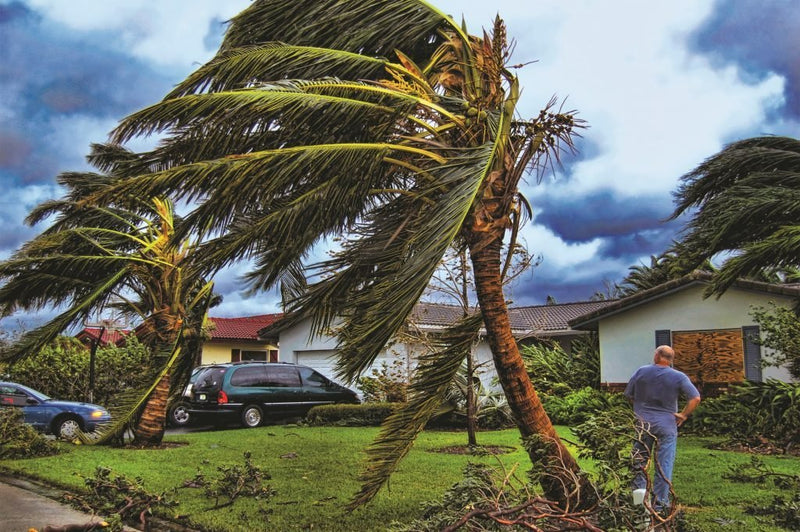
{"x":253,"y":391}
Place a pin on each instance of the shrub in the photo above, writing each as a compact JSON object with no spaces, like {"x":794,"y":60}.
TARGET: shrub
{"x":386,"y":385}
{"x":781,"y":334}
{"x":61,"y":370}
{"x":752,"y":411}
{"x":553,"y":371}
{"x":494,"y":412}
{"x":20,"y":440}
{"x":577,"y":406}
{"x":363,"y":415}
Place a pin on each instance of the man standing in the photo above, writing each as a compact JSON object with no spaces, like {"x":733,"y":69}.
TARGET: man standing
{"x":654,"y":390}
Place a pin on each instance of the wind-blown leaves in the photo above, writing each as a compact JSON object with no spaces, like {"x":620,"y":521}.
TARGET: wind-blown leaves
{"x":377,"y":278}
{"x":747,"y":201}
{"x":432,"y":378}
{"x":381,"y":124}
{"x":349,"y":25}
{"x":234,"y":69}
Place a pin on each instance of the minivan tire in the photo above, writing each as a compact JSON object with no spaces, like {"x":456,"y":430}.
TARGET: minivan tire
{"x":252,"y":415}
{"x":178,"y":414}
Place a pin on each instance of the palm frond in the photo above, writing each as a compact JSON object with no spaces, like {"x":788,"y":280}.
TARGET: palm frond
{"x":780,"y":250}
{"x":33,"y":341}
{"x":759,"y":155}
{"x":431,"y":382}
{"x":375,"y":29}
{"x":381,"y":272}
{"x":269,"y":107}
{"x":271,"y":61}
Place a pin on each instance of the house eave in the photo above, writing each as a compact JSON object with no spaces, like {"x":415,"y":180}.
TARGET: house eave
{"x":590,"y":321}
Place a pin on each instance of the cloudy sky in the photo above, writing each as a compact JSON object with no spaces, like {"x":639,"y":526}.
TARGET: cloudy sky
{"x":662,"y":85}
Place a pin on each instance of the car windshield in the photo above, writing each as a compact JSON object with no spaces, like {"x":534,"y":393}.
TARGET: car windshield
{"x":39,"y":396}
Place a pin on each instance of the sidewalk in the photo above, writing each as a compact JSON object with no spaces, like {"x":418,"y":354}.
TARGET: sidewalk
{"x":25,"y":505}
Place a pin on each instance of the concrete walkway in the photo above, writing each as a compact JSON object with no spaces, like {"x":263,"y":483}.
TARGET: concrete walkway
{"x":26,"y":506}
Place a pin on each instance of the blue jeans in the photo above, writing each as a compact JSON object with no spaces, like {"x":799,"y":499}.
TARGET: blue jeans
{"x":663,"y":444}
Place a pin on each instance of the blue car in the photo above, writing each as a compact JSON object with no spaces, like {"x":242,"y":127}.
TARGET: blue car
{"x":61,"y":418}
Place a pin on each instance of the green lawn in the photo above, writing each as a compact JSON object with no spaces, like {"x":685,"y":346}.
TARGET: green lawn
{"x":314,"y":472}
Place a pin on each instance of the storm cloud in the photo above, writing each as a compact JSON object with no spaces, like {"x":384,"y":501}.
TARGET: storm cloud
{"x":661,"y":85}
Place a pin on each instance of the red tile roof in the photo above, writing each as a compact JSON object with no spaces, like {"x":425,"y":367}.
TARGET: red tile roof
{"x":245,"y":328}
{"x":90,"y":335}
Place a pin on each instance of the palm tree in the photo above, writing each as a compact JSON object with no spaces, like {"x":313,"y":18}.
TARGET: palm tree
{"x":92,"y":255}
{"x":380,"y":123}
{"x":745,"y":200}
{"x":674,"y":263}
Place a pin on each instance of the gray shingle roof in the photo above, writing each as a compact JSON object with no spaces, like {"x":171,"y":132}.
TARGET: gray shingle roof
{"x":550,"y":318}
{"x":533,"y":319}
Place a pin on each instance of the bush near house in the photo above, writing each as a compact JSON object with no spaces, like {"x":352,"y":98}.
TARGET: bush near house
{"x":753,"y":414}
{"x":553,"y":371}
{"x":347,"y":415}
{"x":61,"y":370}
{"x":578,"y":406}
{"x":568,"y":383}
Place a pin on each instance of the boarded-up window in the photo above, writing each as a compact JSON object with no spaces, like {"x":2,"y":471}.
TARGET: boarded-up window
{"x":710,"y":357}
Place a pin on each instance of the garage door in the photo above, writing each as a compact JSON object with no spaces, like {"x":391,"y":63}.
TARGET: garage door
{"x":323,"y":361}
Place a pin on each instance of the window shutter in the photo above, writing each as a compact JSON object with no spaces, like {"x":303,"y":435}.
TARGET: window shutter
{"x":236,"y":355}
{"x":273,"y":355}
{"x":663,"y":337}
{"x":752,"y":353}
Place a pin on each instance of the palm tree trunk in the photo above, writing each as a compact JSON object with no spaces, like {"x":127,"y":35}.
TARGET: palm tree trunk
{"x":565,"y":483}
{"x":149,"y":429}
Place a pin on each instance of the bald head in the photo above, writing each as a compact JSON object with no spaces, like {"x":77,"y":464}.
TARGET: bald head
{"x":664,"y":355}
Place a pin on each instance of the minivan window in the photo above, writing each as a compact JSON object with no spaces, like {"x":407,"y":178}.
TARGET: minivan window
{"x":211,"y":378}
{"x":249,"y":376}
{"x":313,"y":379}
{"x":280,"y":376}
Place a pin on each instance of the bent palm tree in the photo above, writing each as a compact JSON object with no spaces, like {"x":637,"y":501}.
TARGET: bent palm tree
{"x":747,"y":201}
{"x":92,"y":255}
{"x":381,"y":122}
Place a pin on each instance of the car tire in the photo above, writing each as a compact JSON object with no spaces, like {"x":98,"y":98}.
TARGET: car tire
{"x":178,"y":415}
{"x":252,"y":416}
{"x":67,"y":428}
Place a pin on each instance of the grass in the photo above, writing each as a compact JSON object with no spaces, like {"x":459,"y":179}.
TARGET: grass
{"x":713,"y":502}
{"x":314,"y":473}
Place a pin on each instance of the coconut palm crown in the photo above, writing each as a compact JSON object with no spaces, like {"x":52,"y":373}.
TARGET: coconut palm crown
{"x":384,"y":126}
{"x":744,"y":200}
{"x":121,"y":255}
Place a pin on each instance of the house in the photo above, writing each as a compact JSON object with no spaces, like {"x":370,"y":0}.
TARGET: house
{"x":529,"y":324}
{"x":714,"y":338}
{"x":102,"y":336}
{"x":236,"y":339}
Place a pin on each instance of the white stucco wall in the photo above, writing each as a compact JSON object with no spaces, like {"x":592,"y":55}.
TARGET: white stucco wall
{"x":627,"y":340}
{"x":296,"y":343}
